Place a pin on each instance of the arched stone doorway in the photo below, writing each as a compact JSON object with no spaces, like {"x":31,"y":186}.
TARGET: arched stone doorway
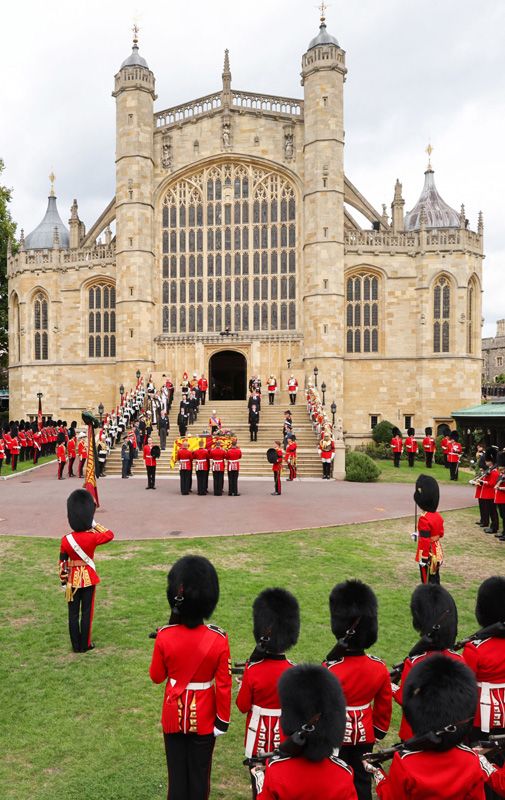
{"x":227,"y":376}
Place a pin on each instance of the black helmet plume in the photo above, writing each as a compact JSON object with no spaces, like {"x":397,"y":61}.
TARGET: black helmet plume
{"x":193,"y":590}
{"x":276,"y":617}
{"x":350,"y":601}
{"x":80,"y":510}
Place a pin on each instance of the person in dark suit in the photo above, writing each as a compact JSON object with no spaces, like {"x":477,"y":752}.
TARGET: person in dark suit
{"x":254,"y":421}
{"x":163,"y":427}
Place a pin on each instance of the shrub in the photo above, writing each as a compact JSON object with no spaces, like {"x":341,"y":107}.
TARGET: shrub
{"x":383,"y":432}
{"x":379,"y":452}
{"x":360,"y":468}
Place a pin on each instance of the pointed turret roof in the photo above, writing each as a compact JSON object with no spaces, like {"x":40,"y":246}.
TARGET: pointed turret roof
{"x":43,"y":237}
{"x":323,"y":37}
{"x":436,"y":212}
{"x":135,"y":59}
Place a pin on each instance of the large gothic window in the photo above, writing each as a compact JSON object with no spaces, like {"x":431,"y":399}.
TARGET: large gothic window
{"x":235,"y":220}
{"x":362,"y":313}
{"x":40,"y":327}
{"x":471,"y":315}
{"x":102,"y":320}
{"x":441,"y":315}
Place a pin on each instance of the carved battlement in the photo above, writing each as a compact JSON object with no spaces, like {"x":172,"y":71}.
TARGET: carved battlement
{"x":286,"y":107}
{"x":61,"y":259}
{"x":412,"y":242}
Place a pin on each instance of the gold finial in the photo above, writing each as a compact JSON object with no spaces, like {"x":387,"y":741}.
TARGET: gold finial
{"x":429,"y":150}
{"x":52,"y":178}
{"x":322,"y":11}
{"x":135,"y":31}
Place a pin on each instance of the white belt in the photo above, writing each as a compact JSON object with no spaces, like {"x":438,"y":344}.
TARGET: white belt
{"x":485,"y":703}
{"x":201,"y":465}
{"x":252,"y":729}
{"x":357,"y":708}
{"x":216,"y":466}
{"x":194,"y":687}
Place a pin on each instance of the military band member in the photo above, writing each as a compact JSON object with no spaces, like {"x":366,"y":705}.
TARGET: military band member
{"x":185,"y":458}
{"x":326,"y":453}
{"x":429,"y":447}
{"x":488,"y":483}
{"x":201,"y":459}
{"x":254,"y":420}
{"x":61,"y":454}
{"x":454,"y":453}
{"x":364,"y":679}
{"x":272,"y":388}
{"x":218,"y":456}
{"x":277,"y":468}
{"x":292,"y":389}
{"x":77,"y":567}
{"x":411,"y":446}
{"x":312,"y":706}
{"x":276,"y":626}
{"x":290,"y":456}
{"x":150,"y":464}
{"x":233,"y":457}
{"x":430,"y":529}
{"x":194,"y":660}
{"x":397,"y":446}
{"x":499,"y":494}
{"x":82,"y":452}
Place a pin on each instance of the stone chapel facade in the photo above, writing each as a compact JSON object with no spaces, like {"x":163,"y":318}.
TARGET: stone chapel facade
{"x":230,"y":247}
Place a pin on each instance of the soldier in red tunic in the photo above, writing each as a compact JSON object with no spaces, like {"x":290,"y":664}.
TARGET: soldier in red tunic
{"x":313,"y":714}
{"x":150,"y":463}
{"x":14,"y":447}
{"x":290,"y":456}
{"x":276,"y":618}
{"x":364,"y":678}
{"x":61,"y":454}
{"x":435,"y":618}
{"x":218,"y":456}
{"x":397,"y":446}
{"x":2,"y":452}
{"x":201,"y":460}
{"x":72,"y":452}
{"x":277,"y":468}
{"x":292,"y":389}
{"x":499,"y":494}
{"x":185,"y":458}
{"x":488,"y":483}
{"x":22,"y":441}
{"x":77,"y":567}
{"x":233,"y":457}
{"x":411,"y":446}
{"x":82,"y":452}
{"x":454,"y":455}
{"x":430,"y":529}
{"x":272,"y":388}
{"x":194,"y":660}
{"x":203,"y":385}
{"x":445,"y":445}
{"x":429,"y":447}
{"x":439,"y":698}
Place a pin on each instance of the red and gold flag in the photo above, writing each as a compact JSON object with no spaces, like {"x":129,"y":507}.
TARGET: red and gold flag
{"x":39,"y":415}
{"x":90,"y":478}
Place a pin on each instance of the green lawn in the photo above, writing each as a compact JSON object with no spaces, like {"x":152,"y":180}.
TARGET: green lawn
{"x":88,"y":725}
{"x":24,"y":465}
{"x":406,"y":474}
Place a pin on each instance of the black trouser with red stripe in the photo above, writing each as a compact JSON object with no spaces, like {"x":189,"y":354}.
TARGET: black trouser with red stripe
{"x":80,"y":631}
{"x":71,"y":467}
{"x":491,"y":514}
{"x":352,"y":755}
{"x":396,"y":459}
{"x":61,"y":467}
{"x":185,"y":476}
{"x":233,"y":481}
{"x":202,"y":480}
{"x":500,"y":507}
{"x":218,"y":478}
{"x":14,"y":461}
{"x":411,"y":457}
{"x":82,"y":462}
{"x":277,"y":481}
{"x":189,"y":762}
{"x":292,"y":471}
{"x":36,"y":454}
{"x":326,"y":468}
{"x":428,"y":457}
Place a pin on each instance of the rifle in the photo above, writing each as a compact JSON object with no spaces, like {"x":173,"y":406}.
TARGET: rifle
{"x":420,"y":647}
{"x":415,"y":743}
{"x":238,"y":667}
{"x":495,"y":744}
{"x":342,"y":645}
{"x":496,"y":629}
{"x":292,"y":746}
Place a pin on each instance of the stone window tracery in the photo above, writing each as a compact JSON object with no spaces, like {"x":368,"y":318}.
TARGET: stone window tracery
{"x":471,"y":315}
{"x":222,"y":220}
{"x":362,"y":313}
{"x":441,"y":315}
{"x":41,"y":326}
{"x":102,"y":319}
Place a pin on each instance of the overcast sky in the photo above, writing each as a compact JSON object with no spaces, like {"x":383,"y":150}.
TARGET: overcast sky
{"x":418,"y":72}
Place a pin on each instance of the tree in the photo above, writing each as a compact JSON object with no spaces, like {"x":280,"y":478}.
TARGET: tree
{"x":7,"y":233}
{"x":383,"y":432}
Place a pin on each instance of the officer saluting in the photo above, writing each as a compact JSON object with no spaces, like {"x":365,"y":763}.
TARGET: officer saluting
{"x":194,"y":659}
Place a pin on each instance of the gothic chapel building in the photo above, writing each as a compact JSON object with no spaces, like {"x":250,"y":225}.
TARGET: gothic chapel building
{"x":230,"y":246}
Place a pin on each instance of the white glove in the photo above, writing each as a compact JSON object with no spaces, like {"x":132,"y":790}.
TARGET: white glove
{"x":218,"y":732}
{"x":94,"y":523}
{"x":395,"y":687}
{"x":414,"y":536}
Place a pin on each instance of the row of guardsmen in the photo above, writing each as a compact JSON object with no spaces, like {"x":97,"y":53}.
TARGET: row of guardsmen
{"x":450,"y":446}
{"x":310,"y":729}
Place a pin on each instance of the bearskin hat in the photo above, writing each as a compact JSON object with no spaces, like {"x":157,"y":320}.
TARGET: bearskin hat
{"x":411,"y":431}
{"x":80,"y":510}
{"x":350,"y":601}
{"x":500,"y":460}
{"x":439,"y":692}
{"x":306,"y":691}
{"x":34,"y":426}
{"x":61,"y":438}
{"x":396,"y":432}
{"x":427,"y":493}
{"x":428,"y":431}
{"x":22,"y":425}
{"x":490,"y":454}
{"x":490,"y":606}
{"x":193,"y":590}
{"x":276,"y":617}
{"x":454,"y":435}
{"x":431,"y":605}
{"x":71,"y":433}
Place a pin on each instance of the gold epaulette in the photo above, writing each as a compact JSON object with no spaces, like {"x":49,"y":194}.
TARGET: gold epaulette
{"x":99,"y":528}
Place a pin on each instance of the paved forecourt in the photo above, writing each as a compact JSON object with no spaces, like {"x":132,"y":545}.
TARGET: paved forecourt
{"x":34,"y":504}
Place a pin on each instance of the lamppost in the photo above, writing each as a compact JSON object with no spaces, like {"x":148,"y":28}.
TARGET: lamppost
{"x":100,"y":412}
{"x":333,"y":409}
{"x":289,"y":363}
{"x":323,"y":389}
{"x":315,"y":376}
{"x":138,"y":374}
{"x":121,"y":392}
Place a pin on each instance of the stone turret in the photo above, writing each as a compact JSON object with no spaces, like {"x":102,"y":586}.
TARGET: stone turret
{"x":397,"y":208}
{"x":135,"y":95}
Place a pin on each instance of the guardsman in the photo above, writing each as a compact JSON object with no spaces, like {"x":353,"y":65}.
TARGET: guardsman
{"x":435,"y":618}
{"x":77,"y":567}
{"x":185,"y":458}
{"x":82,"y":452}
{"x":233,"y":456}
{"x":430,"y":529}
{"x":271,"y":388}
{"x":2,"y":452}
{"x":194,"y":660}
{"x":277,"y":468}
{"x":429,"y":447}
{"x":411,"y":446}
{"x":203,"y":385}
{"x":29,"y":441}
{"x":290,"y":456}
{"x":37,"y":442}
{"x":454,"y":455}
{"x":326,"y":451}
{"x":150,"y":463}
{"x":488,"y":483}
{"x":6,"y":439}
{"x":499,"y":494}
{"x":71,"y":451}
{"x":201,"y":460}
{"x":313,"y":714}
{"x":292,"y":389}
{"x":396,"y":446}
{"x":439,"y":698}
{"x":445,"y":444}
{"x":218,"y":456}
{"x":61,"y":454}
{"x":22,"y":441}
{"x":276,"y":626}
{"x":364,"y":678}
{"x":14,"y":447}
